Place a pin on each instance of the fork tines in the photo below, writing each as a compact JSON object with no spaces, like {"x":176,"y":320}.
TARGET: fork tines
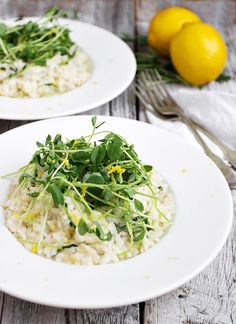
{"x":151,"y":88}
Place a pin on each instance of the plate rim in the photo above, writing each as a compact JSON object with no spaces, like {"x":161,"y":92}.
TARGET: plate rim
{"x":147,"y":296}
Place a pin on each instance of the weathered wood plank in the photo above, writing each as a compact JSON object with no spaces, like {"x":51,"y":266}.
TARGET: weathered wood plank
{"x":2,"y":296}
{"x":18,"y":311}
{"x":210,"y":297}
{"x":120,"y":315}
{"x":11,"y":8}
{"x":220,"y":13}
{"x":4,"y":125}
{"x":124,"y":22}
{"x":94,"y":12}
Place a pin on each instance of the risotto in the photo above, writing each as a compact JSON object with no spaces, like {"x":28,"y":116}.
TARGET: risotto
{"x":88,"y":202}
{"x":59,"y":75}
{"x":62,"y":242}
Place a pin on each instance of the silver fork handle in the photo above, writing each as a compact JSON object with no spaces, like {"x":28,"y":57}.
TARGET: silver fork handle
{"x":229,"y":175}
{"x":191,"y":127}
{"x":228,"y":152}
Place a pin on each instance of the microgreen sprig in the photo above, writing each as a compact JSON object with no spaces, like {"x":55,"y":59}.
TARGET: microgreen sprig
{"x":102,"y":175}
{"x":36,"y":41}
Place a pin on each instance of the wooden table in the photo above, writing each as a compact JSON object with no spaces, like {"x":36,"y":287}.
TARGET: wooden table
{"x":210,"y":298}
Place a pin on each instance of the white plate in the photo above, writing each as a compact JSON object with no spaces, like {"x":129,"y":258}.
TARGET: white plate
{"x":114,"y":68}
{"x":201,"y":226}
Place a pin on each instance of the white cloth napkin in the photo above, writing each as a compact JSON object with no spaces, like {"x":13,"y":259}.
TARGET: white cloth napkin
{"x":215,"y":109}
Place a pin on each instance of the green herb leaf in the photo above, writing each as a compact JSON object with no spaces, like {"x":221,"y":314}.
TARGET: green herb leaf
{"x":34,"y":194}
{"x":223,"y":77}
{"x":57,"y":139}
{"x":101,"y":154}
{"x":148,"y":168}
{"x":52,"y":12}
{"x":121,"y":227}
{"x":3,"y":29}
{"x":94,"y":121}
{"x":94,"y":154}
{"x":24,"y":176}
{"x":98,"y":154}
{"x":130,"y":192}
{"x":94,"y":177}
{"x":114,"y":149}
{"x":83,"y":228}
{"x":107,"y":194}
{"x":80,"y":156}
{"x":139,"y":232}
{"x":39,"y":144}
{"x":138,"y":205}
{"x":101,"y":234}
{"x":48,"y":140}
{"x":57,"y":195}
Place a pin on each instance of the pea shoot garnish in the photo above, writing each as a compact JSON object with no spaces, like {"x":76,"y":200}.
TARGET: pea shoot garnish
{"x":104,"y":176}
{"x":36,"y":41}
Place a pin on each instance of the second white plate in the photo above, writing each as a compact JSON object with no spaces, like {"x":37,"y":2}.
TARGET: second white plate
{"x":114,"y":68}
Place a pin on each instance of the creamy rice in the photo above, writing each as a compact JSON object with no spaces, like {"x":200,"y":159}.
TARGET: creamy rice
{"x":59,"y":75}
{"x":25,"y":221}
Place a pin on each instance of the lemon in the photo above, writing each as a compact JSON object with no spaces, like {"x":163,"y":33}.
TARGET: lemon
{"x":198,"y":53}
{"x":165,"y":24}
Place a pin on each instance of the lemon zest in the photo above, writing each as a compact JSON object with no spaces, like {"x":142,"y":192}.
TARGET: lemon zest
{"x":34,"y":248}
{"x":30,"y":216}
{"x":84,"y":191}
{"x":16,"y":215}
{"x":115,"y":168}
{"x":75,"y":218}
{"x":66,"y":163}
{"x":76,"y":142}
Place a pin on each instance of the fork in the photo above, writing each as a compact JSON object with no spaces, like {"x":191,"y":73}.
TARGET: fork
{"x":167,"y":106}
{"x":150,"y":98}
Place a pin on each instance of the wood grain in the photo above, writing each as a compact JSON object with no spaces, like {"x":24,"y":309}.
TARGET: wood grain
{"x":124,"y":22}
{"x":2,"y":296}
{"x":18,"y":311}
{"x":4,"y":125}
{"x":12,"y":8}
{"x":119,"y":315}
